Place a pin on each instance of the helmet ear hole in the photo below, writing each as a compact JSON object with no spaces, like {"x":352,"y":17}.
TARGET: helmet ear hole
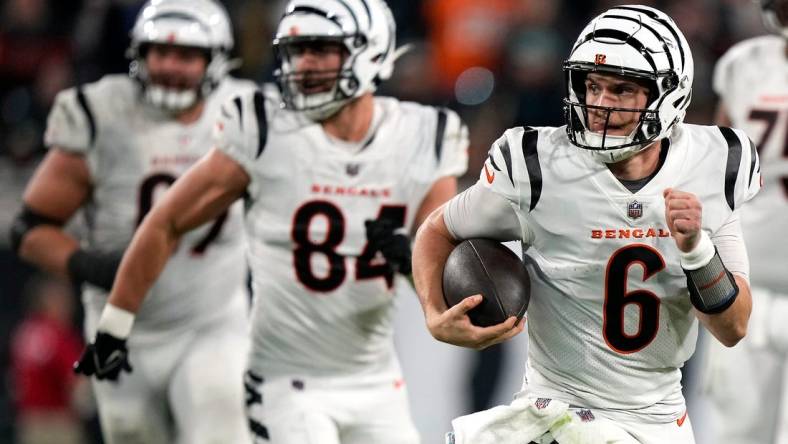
{"x":669,"y":82}
{"x":352,"y":83}
{"x":652,"y":129}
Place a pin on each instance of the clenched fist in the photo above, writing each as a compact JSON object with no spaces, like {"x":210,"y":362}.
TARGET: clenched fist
{"x":683,"y":215}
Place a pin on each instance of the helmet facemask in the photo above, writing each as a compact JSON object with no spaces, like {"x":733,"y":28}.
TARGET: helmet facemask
{"x":318,"y":93}
{"x":364,"y":29}
{"x":175,"y":99}
{"x":605,"y":146}
{"x":199,"y":24}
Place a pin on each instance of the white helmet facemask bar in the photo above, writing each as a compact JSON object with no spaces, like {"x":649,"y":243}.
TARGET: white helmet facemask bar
{"x":649,"y":123}
{"x":317,"y":106}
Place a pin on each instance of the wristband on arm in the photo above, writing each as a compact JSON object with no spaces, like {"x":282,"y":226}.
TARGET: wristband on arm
{"x":26,"y":220}
{"x":94,"y":267}
{"x":116,"y":321}
{"x":711,"y":286}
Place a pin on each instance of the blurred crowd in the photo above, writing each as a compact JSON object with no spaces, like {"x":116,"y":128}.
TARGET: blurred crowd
{"x":497,"y":62}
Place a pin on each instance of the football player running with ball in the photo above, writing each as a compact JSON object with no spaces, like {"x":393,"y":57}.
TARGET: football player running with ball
{"x":333,"y":183}
{"x":116,"y":145}
{"x":630,"y":223}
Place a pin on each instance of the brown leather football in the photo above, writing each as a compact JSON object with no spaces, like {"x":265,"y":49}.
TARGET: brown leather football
{"x":486,"y":267}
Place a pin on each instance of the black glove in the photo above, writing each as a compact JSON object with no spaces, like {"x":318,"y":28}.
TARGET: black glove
{"x":395,"y":247}
{"x":106,"y":358}
{"x":95,"y":267}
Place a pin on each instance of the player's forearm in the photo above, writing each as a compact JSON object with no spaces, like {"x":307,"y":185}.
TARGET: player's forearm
{"x":49,"y":248}
{"x":730,"y":326}
{"x":442,"y":190}
{"x":431,"y":249}
{"x":144,"y":261}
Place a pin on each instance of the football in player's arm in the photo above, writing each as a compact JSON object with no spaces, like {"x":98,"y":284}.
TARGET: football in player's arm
{"x":630,"y":219}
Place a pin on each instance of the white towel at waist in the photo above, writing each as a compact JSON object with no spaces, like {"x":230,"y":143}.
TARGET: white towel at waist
{"x":526,"y":420}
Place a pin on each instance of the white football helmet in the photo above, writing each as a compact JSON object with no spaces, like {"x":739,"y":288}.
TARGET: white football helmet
{"x":365,"y":28}
{"x":637,"y":42}
{"x":195,"y":23}
{"x":775,"y":16}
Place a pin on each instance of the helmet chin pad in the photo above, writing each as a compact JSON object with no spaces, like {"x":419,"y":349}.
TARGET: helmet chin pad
{"x":612,"y":155}
{"x":324,"y":107}
{"x":609,"y":148}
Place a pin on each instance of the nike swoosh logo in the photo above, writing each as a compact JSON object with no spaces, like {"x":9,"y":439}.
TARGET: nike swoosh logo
{"x":680,"y":421}
{"x":490,"y":177}
{"x":113,"y":361}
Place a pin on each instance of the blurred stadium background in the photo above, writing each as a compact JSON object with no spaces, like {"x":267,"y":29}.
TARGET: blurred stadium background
{"x":497,"y":62}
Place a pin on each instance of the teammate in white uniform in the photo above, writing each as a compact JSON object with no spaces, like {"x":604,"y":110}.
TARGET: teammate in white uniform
{"x":115,"y":147}
{"x":609,"y":211}
{"x":747,"y":385}
{"x":333,"y":182}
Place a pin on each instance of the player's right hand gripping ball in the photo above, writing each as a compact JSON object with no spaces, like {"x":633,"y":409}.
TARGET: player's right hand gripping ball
{"x":486,"y":267}
{"x":106,"y":358}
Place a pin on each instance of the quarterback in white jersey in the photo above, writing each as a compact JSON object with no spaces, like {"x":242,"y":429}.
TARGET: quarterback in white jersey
{"x":116,"y":145}
{"x":333,"y":184}
{"x":622,"y":264}
{"x":744,"y":383}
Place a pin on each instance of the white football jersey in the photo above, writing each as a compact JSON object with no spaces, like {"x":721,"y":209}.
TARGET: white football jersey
{"x":323,"y":304}
{"x":752,"y":82}
{"x":134,"y":153}
{"x":610,"y":319}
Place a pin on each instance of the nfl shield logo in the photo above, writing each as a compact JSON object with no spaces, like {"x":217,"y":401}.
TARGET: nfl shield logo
{"x":634,"y":209}
{"x":585,"y":415}
{"x":352,"y":169}
{"x":542,"y":403}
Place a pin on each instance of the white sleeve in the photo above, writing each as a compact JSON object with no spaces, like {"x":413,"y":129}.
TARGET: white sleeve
{"x":729,"y":241}
{"x":241,"y":129}
{"x":241,"y":132}
{"x":748,"y":181}
{"x":71,"y":125}
{"x":480,"y":212}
